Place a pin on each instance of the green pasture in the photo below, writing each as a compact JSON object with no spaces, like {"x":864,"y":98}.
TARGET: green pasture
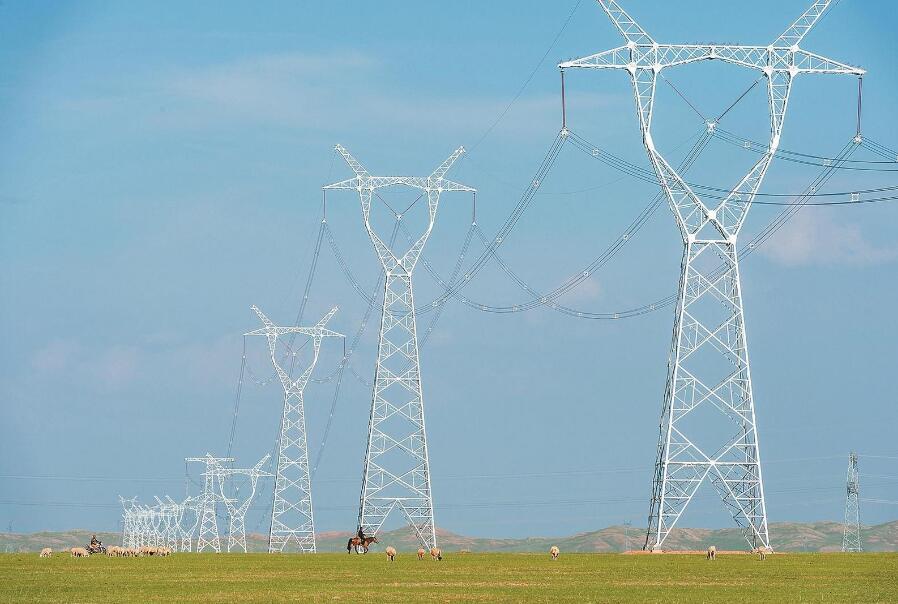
{"x":460,"y":577}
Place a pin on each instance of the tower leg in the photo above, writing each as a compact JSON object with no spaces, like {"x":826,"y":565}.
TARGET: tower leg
{"x":292,"y":522}
{"x":708,"y":388}
{"x":396,"y":473}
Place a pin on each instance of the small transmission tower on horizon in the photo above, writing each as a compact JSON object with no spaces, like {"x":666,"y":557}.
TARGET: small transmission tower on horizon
{"x":851,"y":537}
{"x":208,"y":536}
{"x":708,"y":369}
{"x":237,"y":509}
{"x":292,"y":519}
{"x":397,"y":468}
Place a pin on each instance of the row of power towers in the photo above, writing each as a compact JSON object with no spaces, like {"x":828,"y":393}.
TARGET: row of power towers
{"x":708,"y":369}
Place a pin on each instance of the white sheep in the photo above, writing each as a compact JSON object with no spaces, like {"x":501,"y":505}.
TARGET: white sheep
{"x":712,"y":553}
{"x":391,"y":552}
{"x":762,"y":552}
{"x":79,"y":552}
{"x":421,"y":553}
{"x":46,"y":552}
{"x":554,"y":551}
{"x":436,"y":553}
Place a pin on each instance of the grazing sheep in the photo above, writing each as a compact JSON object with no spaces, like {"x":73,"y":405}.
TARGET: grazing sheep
{"x":762,"y":552}
{"x":46,"y":552}
{"x":391,"y":552}
{"x":436,"y":553}
{"x":113,"y":551}
{"x":554,"y":551}
{"x":79,"y":552}
{"x":421,"y":553}
{"x":712,"y":553}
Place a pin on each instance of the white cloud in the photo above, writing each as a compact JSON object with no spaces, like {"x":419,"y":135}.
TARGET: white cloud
{"x":295,"y":90}
{"x":815,"y":237}
{"x":588,"y":290}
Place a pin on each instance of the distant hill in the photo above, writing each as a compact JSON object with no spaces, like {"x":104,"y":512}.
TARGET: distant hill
{"x":786,"y":536}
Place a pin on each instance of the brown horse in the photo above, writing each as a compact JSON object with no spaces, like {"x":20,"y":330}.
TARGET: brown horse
{"x":357,"y":543}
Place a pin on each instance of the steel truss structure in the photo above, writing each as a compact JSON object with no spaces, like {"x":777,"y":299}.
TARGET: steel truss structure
{"x":708,"y":370}
{"x":237,"y":509}
{"x":292,"y":520}
{"x":851,"y":536}
{"x":397,"y":470}
{"x":208,"y":521}
{"x":159,"y":525}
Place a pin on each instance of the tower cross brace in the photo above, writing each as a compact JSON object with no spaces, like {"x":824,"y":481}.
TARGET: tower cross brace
{"x":397,"y":469}
{"x":708,"y":368}
{"x":292,"y":518}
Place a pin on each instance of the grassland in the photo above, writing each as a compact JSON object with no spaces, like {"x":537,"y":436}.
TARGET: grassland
{"x":458,"y":578}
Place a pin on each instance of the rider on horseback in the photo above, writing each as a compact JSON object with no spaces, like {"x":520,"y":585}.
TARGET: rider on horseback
{"x":361,"y":533}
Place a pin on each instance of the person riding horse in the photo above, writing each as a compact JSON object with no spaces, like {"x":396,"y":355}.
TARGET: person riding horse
{"x":361,"y":533}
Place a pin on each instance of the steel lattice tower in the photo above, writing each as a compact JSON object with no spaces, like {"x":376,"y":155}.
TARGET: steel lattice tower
{"x":397,"y":470}
{"x":208,"y":536}
{"x":708,"y":370}
{"x":851,"y":537}
{"x":237,"y":509}
{"x":292,"y":520}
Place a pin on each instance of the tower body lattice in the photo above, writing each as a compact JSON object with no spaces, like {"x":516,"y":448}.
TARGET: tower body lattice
{"x":397,"y":471}
{"x":292,"y":519}
{"x":851,"y":536}
{"x":708,"y":371}
{"x":208,"y":535}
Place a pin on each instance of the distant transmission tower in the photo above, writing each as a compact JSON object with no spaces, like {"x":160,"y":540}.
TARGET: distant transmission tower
{"x":292,"y":521}
{"x":708,"y":371}
{"x":236,"y":508}
{"x":208,"y":536}
{"x":851,"y":537}
{"x":397,"y":471}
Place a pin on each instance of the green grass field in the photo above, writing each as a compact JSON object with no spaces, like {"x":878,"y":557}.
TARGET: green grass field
{"x":458,"y":578}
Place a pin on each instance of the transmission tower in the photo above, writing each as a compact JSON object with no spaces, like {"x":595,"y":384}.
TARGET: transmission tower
{"x":237,"y":510}
{"x":292,"y":520}
{"x":397,"y":470}
{"x":708,"y":370}
{"x":208,"y":536}
{"x":851,"y":537}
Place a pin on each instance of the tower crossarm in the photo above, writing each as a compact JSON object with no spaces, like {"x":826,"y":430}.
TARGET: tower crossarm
{"x":272,"y":331}
{"x":766,"y":59}
{"x":432,"y":185}
{"x":643,"y":59}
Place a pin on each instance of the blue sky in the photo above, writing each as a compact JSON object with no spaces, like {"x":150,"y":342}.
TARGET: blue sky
{"x":160,"y":171}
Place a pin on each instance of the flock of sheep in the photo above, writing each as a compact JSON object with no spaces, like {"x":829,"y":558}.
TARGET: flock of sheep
{"x":115,"y":552}
{"x":437,"y":554}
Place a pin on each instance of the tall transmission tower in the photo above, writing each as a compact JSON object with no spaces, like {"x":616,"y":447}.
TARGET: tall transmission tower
{"x":397,"y":470}
{"x":208,"y":536}
{"x":851,"y":537}
{"x":237,"y":509}
{"x":292,"y":520}
{"x":708,"y":370}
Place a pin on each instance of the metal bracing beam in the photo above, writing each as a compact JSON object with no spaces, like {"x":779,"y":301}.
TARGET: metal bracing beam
{"x":292,"y":518}
{"x":396,"y":470}
{"x":708,"y":370}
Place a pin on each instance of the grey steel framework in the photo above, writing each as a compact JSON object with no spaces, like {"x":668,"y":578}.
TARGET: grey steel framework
{"x":208,"y":536}
{"x":708,"y":370}
{"x":397,"y":470}
{"x":851,"y":537}
{"x":292,"y":521}
{"x":236,"y":508}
